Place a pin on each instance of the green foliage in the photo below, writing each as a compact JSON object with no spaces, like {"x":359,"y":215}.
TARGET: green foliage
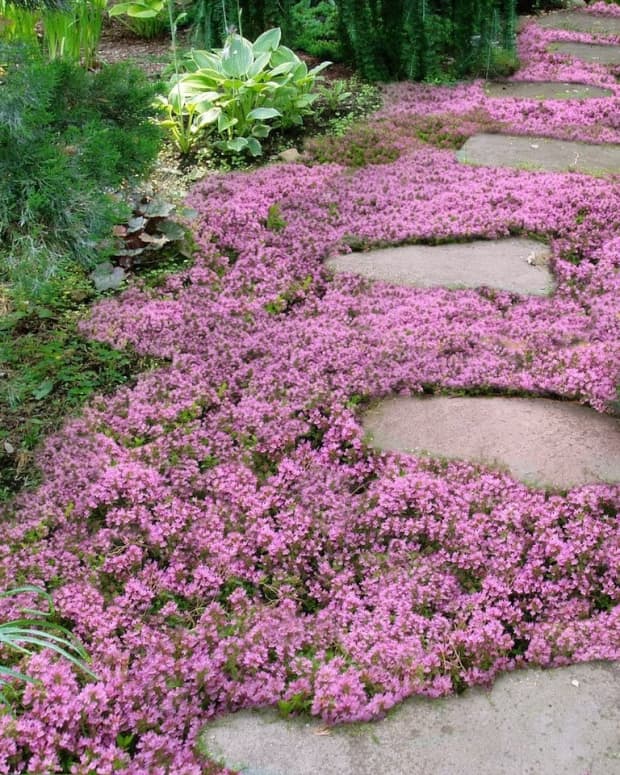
{"x":314,"y":28}
{"x":74,"y":34}
{"x":298,"y":704}
{"x":66,"y":135}
{"x":238,"y":94}
{"x":363,"y":144}
{"x":275,"y":221}
{"x":213,"y":20}
{"x":145,"y":18}
{"x":49,"y":371}
{"x":71,"y":28}
{"x":35,"y":630}
{"x":426,"y":39}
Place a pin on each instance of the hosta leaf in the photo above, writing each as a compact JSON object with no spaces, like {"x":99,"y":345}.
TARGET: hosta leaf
{"x":283,"y":54}
{"x":263,"y":113}
{"x":319,"y":68}
{"x":237,"y":56}
{"x":138,"y":10}
{"x":208,"y":117}
{"x":207,"y":59}
{"x":261,"y":130}
{"x":284,"y":68}
{"x":268,"y":41}
{"x":237,"y":145}
{"x":205,"y":97}
{"x":259,"y":64}
{"x":305,"y":100}
{"x":300,"y":71}
{"x":254,"y":146}
{"x":225,"y":122}
{"x":176,"y":98}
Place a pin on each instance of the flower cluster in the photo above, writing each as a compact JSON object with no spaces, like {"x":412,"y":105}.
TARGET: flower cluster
{"x":220,"y":535}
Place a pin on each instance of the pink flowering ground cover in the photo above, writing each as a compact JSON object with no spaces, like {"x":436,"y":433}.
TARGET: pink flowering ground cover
{"x":221,"y":536}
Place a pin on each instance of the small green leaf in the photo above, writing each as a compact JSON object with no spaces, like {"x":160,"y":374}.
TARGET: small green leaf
{"x":237,"y":145}
{"x":254,"y":147}
{"x":225,"y":122}
{"x":43,"y":389}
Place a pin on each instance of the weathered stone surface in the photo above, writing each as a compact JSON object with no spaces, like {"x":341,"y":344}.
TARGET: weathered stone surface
{"x":581,"y":22}
{"x":545,"y":90}
{"x":540,"y":441}
{"x":588,"y":52}
{"x":553,"y":722}
{"x":541,"y":153}
{"x":517,"y":265}
{"x":290,"y":155}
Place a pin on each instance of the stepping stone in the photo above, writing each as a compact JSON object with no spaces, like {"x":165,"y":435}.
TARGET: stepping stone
{"x":540,"y":153}
{"x":581,"y":22}
{"x":517,"y":265}
{"x":545,"y":443}
{"x":588,"y":52}
{"x":544,"y":90}
{"x":553,"y":722}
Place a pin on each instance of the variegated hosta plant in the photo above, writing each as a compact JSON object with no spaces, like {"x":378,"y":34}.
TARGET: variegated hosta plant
{"x":239,"y":94}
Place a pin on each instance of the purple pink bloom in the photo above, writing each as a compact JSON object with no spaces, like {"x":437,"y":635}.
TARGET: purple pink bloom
{"x":220,"y":536}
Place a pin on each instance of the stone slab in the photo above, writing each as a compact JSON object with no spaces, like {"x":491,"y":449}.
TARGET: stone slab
{"x":517,"y":265}
{"x":591,"y":23}
{"x":542,"y":442}
{"x":588,"y":52}
{"x":553,"y":722}
{"x":540,"y":153}
{"x":544,"y":90}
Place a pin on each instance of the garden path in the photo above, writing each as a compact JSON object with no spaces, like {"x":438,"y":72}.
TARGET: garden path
{"x":588,"y":52}
{"x":541,"y":153}
{"x":221,"y":536}
{"x":557,"y":722}
{"x":518,"y":265}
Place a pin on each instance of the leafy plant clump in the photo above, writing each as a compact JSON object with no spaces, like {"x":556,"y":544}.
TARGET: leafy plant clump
{"x":315,"y":28}
{"x":68,"y":139}
{"x":236,"y":95}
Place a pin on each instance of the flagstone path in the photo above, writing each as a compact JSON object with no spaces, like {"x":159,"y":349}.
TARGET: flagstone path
{"x":540,"y":441}
{"x":588,"y":52}
{"x":541,"y":153}
{"x":563,"y":721}
{"x":544,"y":90}
{"x":516,"y":265}
{"x":581,"y":22}
{"x":533,"y":722}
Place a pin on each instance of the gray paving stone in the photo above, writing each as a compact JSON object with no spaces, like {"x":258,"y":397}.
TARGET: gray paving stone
{"x":554,"y":722}
{"x":588,"y":52}
{"x":544,"y":90}
{"x":540,"y":441}
{"x":517,"y":265}
{"x":581,"y":22}
{"x":540,"y":153}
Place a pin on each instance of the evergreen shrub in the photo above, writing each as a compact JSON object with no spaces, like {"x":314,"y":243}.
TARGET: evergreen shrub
{"x":68,"y":138}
